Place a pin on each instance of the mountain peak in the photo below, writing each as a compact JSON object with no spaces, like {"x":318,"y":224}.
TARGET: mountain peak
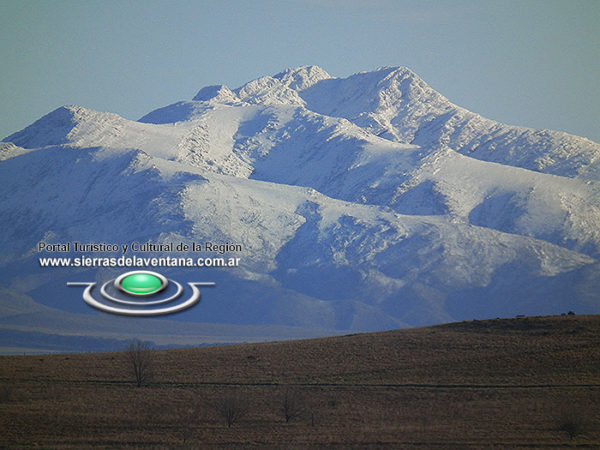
{"x":50,"y":129}
{"x":393,"y":70}
{"x":302,"y":77}
{"x":218,"y":92}
{"x":400,"y":77}
{"x":268,"y":91}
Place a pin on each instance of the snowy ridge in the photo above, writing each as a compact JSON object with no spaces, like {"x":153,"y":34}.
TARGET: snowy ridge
{"x":362,"y":203}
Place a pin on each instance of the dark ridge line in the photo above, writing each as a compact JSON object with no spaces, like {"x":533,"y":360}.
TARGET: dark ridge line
{"x":341,"y":385}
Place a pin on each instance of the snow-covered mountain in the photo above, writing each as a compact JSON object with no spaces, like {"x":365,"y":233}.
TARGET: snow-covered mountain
{"x":363,"y":203}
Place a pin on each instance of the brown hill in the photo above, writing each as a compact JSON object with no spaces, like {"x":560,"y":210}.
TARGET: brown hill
{"x":511,"y":383}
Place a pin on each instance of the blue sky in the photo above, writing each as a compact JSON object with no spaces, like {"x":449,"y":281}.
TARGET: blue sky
{"x":529,"y":62}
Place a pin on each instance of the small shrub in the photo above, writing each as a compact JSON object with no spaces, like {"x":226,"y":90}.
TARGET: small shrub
{"x":572,"y":424}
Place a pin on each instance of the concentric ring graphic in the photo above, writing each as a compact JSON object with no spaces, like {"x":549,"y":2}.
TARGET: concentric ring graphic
{"x":140,"y":302}
{"x":138,"y":290}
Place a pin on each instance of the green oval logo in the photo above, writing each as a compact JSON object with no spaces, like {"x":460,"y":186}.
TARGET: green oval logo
{"x":141,"y":283}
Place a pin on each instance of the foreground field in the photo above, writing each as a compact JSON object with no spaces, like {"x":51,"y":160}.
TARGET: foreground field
{"x":518,"y":383}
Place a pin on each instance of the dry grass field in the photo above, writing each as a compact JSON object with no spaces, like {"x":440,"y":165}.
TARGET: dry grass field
{"x":513,"y":383}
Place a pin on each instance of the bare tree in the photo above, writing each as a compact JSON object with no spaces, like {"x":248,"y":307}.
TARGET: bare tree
{"x":572,"y":422}
{"x":231,"y":408}
{"x":291,"y":406}
{"x":6,"y":391}
{"x":139,"y":356}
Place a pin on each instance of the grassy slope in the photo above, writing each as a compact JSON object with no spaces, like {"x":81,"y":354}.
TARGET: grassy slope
{"x":510,"y":383}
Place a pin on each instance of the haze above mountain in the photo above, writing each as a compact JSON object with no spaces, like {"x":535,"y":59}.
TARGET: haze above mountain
{"x":364,"y":203}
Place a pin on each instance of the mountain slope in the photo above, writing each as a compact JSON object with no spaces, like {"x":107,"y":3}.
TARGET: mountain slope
{"x":345,"y":162}
{"x":401,"y":107}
